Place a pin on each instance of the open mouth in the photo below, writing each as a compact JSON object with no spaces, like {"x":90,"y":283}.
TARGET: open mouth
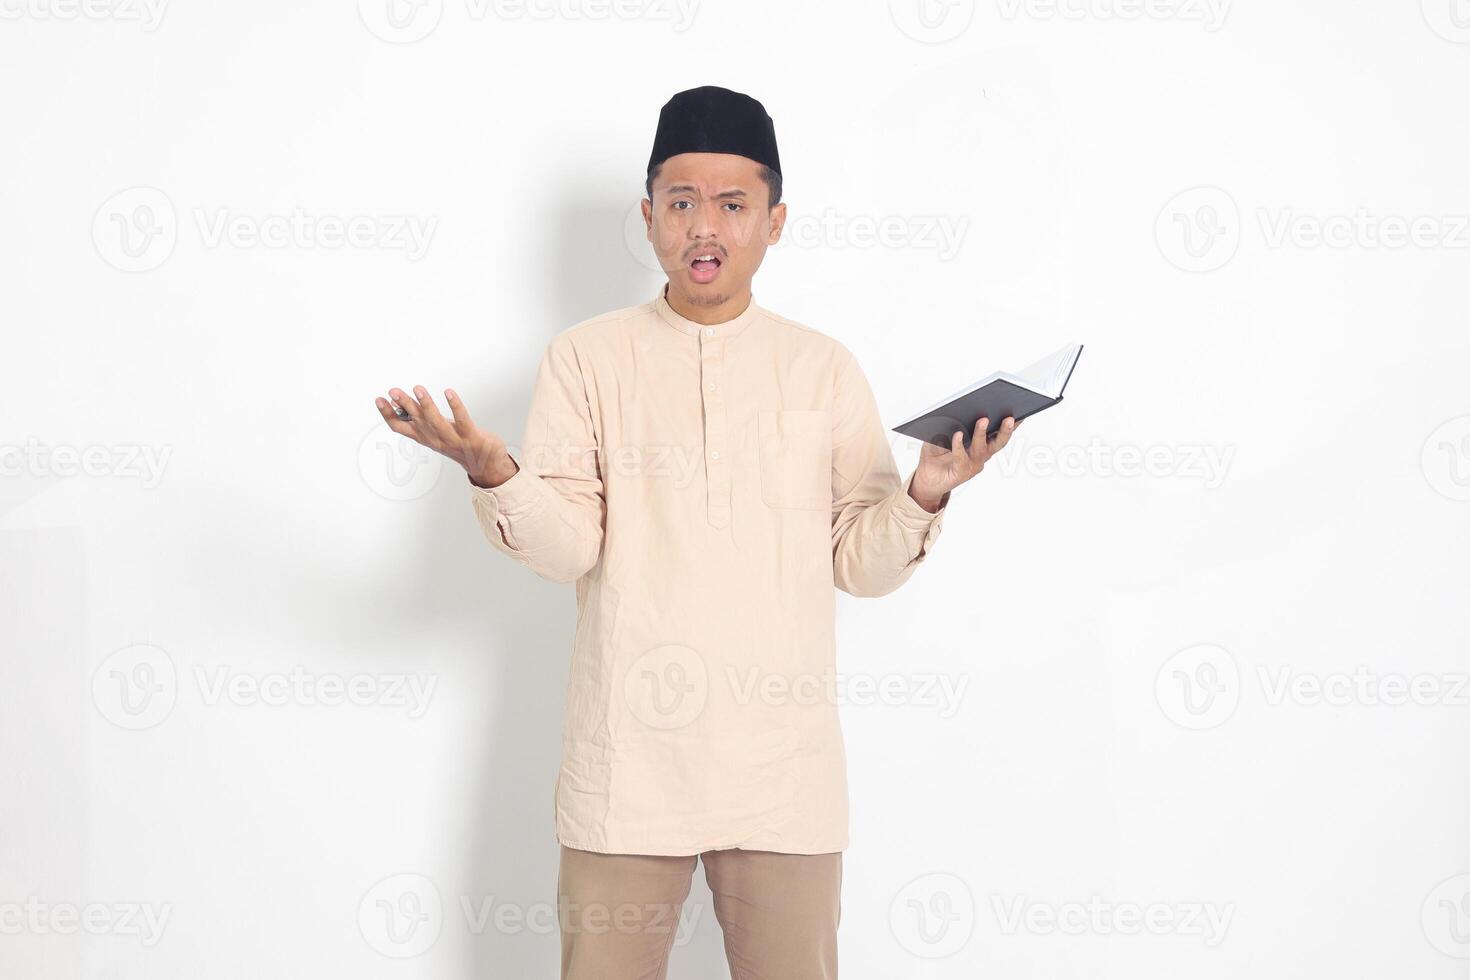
{"x":704,"y":267}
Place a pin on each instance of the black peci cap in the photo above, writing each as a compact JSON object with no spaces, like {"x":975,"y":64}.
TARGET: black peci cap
{"x":710,"y":119}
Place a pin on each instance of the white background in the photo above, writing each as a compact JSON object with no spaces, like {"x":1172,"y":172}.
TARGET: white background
{"x":1141,"y":635}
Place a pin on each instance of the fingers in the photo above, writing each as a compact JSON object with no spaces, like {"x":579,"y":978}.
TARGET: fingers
{"x":457,"y":409}
{"x":428,"y":411}
{"x":401,"y":426}
{"x":425,"y":424}
{"x":421,"y":420}
{"x":475,"y":450}
{"x":1007,"y":428}
{"x":406,"y":402}
{"x":978,"y":453}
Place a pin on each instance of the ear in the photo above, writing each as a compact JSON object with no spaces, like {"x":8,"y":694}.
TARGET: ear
{"x":778,"y":222}
{"x":647,"y":207}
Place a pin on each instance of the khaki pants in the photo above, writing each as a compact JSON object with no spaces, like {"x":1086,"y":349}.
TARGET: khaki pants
{"x":620,"y":913}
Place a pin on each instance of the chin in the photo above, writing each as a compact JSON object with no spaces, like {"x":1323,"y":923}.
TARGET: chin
{"x":710,"y":293}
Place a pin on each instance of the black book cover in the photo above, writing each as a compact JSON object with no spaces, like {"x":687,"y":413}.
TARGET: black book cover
{"x":995,"y":400}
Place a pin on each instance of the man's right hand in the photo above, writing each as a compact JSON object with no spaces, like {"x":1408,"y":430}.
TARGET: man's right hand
{"x":483,"y":454}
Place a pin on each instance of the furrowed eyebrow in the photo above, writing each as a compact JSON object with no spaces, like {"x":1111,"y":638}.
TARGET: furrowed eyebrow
{"x":688,"y":189}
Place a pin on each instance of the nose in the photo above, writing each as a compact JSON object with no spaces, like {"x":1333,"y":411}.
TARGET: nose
{"x":702,"y":227}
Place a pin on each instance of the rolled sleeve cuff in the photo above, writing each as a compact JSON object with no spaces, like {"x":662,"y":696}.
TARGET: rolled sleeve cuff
{"x":517,"y":500}
{"x":911,"y":517}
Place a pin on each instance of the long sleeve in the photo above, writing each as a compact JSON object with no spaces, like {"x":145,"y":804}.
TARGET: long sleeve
{"x":880,"y":534}
{"x":549,"y":516}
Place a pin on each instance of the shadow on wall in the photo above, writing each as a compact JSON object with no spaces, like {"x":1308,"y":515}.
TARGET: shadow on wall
{"x":528,"y":631}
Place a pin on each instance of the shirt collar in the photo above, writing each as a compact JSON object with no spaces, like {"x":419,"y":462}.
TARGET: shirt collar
{"x":708,"y":331}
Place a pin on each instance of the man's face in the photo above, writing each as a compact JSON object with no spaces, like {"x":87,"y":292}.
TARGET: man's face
{"x":712,"y":204}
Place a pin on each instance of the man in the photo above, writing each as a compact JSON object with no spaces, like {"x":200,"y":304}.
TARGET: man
{"x":707,"y":472}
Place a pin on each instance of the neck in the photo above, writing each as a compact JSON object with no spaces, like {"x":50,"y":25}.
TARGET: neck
{"x":709,"y":314}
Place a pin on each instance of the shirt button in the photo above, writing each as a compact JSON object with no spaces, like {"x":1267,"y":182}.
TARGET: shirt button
{"x":711,"y":386}
{"x":709,"y":331}
{"x":715,"y":454}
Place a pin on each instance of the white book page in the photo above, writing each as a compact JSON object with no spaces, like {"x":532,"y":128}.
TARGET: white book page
{"x":1049,"y":374}
{"x":1045,"y":377}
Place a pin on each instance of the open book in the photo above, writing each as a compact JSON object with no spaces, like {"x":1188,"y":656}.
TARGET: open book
{"x":995,"y":396}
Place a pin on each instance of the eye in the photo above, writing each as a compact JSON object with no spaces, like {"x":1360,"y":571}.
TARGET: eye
{"x":732,"y":204}
{"x":676,"y":204}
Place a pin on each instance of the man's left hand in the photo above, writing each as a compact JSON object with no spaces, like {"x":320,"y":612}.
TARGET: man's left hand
{"x":941,"y":470}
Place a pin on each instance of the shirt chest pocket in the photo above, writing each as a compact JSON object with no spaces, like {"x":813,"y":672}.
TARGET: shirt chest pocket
{"x":796,"y":458}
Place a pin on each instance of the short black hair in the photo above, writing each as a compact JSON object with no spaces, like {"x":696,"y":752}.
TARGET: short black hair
{"x":771,"y":177}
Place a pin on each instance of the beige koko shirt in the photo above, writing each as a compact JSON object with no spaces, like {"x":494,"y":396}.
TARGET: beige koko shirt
{"x":706,"y":487}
